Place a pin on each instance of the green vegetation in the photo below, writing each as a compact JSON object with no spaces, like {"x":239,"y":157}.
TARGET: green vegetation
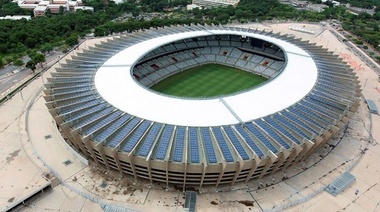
{"x":2,"y":63}
{"x":246,"y":11}
{"x":63,"y":30}
{"x":35,"y":58}
{"x":208,"y":80}
{"x":45,"y":33}
{"x":364,"y":26}
{"x":7,"y":7}
{"x":18,"y":63}
{"x":355,"y":3}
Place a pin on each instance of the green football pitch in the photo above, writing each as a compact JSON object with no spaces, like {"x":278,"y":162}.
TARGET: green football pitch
{"x":208,"y":80}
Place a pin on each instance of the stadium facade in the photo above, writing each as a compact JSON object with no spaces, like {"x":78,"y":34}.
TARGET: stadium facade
{"x":101,"y":101}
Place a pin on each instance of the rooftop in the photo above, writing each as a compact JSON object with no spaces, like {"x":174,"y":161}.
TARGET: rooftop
{"x":276,"y":95}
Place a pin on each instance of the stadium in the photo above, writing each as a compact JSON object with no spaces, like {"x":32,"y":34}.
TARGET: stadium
{"x":104,"y":103}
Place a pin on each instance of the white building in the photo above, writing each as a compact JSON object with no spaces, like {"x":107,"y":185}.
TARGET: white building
{"x":83,"y":8}
{"x":215,"y":3}
{"x":40,"y":7}
{"x":193,"y":6}
{"x":335,"y":3}
{"x":16,"y":17}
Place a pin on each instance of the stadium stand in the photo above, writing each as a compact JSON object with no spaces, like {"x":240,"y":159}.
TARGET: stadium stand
{"x":196,"y":156}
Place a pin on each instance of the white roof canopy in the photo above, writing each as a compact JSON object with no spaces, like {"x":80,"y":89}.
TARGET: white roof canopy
{"x":116,"y":85}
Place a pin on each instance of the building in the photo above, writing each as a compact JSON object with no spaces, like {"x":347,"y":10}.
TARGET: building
{"x":357,"y":10}
{"x":40,"y":10}
{"x":215,"y":3}
{"x":83,"y":8}
{"x":16,"y":17}
{"x":115,"y":120}
{"x":335,"y":3}
{"x":305,"y":5}
{"x":317,"y":7}
{"x":193,"y":6}
{"x":40,"y":7}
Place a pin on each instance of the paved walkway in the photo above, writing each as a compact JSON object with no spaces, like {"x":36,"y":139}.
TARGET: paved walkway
{"x":21,"y":168}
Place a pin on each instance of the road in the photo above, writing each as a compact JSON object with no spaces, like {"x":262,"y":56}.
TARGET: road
{"x":357,"y":51}
{"x":12,"y":75}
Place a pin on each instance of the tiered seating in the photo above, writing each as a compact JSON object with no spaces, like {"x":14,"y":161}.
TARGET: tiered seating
{"x":226,"y":51}
{"x":257,"y":59}
{"x":221,"y":59}
{"x":250,"y":66}
{"x":236,"y":53}
{"x":215,"y":50}
{"x":180,"y":45}
{"x":268,"y":72}
{"x":240,"y":64}
{"x":277,"y":65}
{"x":231,"y":61}
{"x":213,"y":42}
{"x":173,"y":61}
{"x":201,"y":59}
{"x":192,"y":44}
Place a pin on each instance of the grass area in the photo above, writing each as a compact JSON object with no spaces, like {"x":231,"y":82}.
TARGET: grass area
{"x":208,"y":80}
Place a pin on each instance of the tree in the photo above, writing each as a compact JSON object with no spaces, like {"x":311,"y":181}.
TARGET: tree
{"x":30,"y":42}
{"x":9,"y":59}
{"x":31,"y":53}
{"x":31,"y":65}
{"x":1,"y":62}
{"x":72,"y":40}
{"x":39,"y":58}
{"x":46,"y":48}
{"x":18,"y":63}
{"x":135,"y":13}
{"x":61,"y":10}
{"x":48,"y":13}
